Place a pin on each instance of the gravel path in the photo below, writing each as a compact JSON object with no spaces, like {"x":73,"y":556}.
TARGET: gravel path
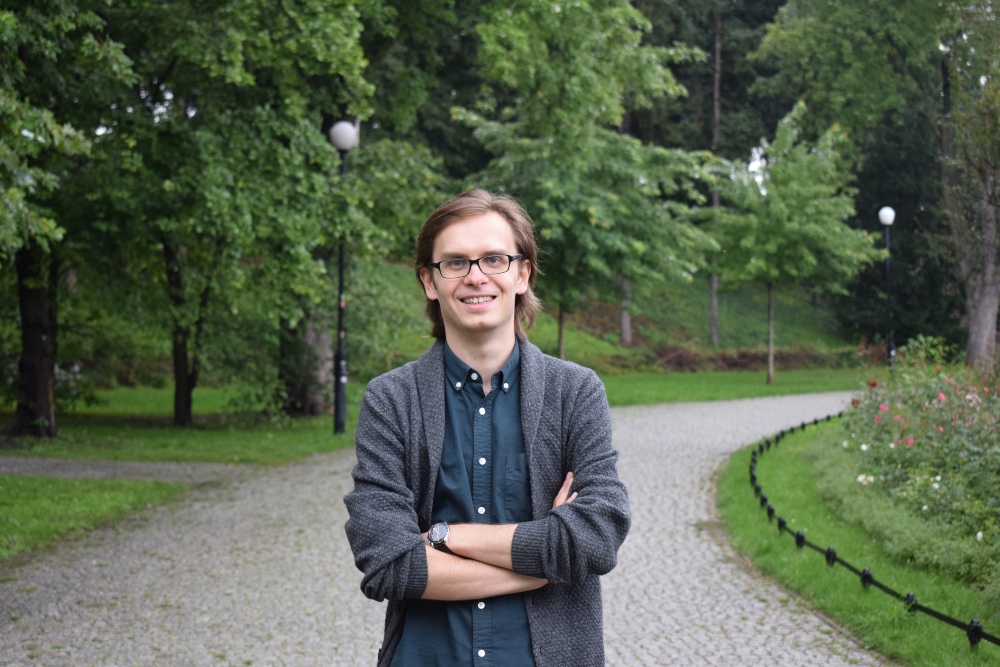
{"x":257,"y":571}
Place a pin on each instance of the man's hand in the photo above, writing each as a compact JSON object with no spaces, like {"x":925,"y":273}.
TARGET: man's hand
{"x":564,"y":497}
{"x":481,"y":565}
{"x":455,"y":578}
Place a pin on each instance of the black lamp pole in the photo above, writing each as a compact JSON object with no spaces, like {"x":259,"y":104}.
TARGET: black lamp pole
{"x":886,"y":216}
{"x":888,"y":297}
{"x":340,"y":383}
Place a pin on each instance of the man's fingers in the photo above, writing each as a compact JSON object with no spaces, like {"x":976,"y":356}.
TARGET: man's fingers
{"x":571,"y":498}
{"x":563,"y":496}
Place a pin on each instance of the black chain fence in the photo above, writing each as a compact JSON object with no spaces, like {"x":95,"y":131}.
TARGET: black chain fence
{"x":973,"y":629}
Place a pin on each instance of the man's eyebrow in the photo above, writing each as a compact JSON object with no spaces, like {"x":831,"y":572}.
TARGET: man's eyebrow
{"x":488,"y":253}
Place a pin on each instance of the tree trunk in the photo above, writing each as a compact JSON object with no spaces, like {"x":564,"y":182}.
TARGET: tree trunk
{"x":35,"y":413}
{"x":974,"y":242}
{"x":562,"y":339}
{"x":770,"y":333}
{"x":625,"y":319}
{"x":983,"y":288}
{"x":319,"y":341}
{"x":183,"y":386}
{"x":713,"y":310}
{"x":306,"y":368}
{"x":713,"y":301}
{"x":186,"y":342}
{"x":717,"y":82}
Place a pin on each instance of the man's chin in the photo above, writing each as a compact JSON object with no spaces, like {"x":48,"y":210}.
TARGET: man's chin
{"x":479,"y":326}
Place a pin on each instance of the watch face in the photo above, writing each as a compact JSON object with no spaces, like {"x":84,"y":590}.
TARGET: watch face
{"x":438,"y":532}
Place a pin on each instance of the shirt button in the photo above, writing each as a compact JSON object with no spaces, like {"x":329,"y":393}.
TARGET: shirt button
{"x":482,"y":510}
{"x":482,"y":411}
{"x":482,"y":605}
{"x":506,"y":386}
{"x":482,"y":461}
{"x":475,"y":377}
{"x":458,"y":385}
{"x":482,"y":653}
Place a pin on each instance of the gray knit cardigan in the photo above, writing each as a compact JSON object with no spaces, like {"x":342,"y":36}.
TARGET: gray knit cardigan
{"x":567,"y":427}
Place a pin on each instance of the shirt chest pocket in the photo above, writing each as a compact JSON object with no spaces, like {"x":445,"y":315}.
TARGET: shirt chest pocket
{"x":516,"y":491}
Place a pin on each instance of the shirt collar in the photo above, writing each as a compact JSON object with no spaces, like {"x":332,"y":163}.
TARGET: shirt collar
{"x":459,"y":373}
{"x":509,"y":371}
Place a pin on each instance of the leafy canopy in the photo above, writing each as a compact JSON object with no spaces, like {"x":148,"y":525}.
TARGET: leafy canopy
{"x":786,"y":224}
{"x":57,"y":39}
{"x":560,"y":76}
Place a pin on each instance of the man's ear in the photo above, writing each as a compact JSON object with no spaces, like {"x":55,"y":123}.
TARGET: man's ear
{"x":427,"y":278}
{"x":523,"y":276}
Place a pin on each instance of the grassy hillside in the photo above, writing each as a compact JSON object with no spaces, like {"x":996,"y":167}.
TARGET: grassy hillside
{"x":671,"y":314}
{"x":677,"y":313}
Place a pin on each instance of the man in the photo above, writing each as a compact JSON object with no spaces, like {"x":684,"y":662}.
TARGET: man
{"x":486,"y":501}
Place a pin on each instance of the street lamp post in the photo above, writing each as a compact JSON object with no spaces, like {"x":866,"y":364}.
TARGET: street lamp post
{"x":344,"y":136}
{"x":886,"y":216}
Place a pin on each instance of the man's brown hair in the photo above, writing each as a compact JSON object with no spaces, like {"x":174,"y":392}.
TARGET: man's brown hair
{"x":471,"y":203}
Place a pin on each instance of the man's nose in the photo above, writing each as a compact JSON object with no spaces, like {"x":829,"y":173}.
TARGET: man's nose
{"x":475,"y":274}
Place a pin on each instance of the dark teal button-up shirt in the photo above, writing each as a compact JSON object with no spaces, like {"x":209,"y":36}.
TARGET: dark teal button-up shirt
{"x":483,"y":479}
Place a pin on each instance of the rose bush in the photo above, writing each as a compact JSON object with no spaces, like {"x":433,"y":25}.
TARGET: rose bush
{"x":928,"y":439}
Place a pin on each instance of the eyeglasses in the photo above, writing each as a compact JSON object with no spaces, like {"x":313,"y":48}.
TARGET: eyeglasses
{"x":459,"y":267}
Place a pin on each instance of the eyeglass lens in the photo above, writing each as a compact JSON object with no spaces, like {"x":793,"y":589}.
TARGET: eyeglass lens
{"x":460,"y":267}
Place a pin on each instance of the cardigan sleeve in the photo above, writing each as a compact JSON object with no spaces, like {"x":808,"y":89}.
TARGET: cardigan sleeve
{"x":382,"y":529}
{"x":581,"y":538}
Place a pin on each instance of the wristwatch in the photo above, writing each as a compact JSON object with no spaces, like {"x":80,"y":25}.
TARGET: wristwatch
{"x":438,"y":536}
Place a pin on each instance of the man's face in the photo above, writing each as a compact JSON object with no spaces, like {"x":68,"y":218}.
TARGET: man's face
{"x":476,"y":304}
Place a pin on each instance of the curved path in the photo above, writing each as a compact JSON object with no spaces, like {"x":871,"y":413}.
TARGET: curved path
{"x":257,"y":570}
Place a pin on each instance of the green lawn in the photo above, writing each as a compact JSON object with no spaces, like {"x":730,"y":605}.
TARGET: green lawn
{"x":37,"y":511}
{"x":787,"y":477}
{"x":645,"y":388}
{"x":135,"y":425}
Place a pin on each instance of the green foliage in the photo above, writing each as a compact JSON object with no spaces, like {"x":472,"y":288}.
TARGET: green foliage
{"x":604,"y":204}
{"x":686,"y":122}
{"x":48,"y":39}
{"x":788,"y":476}
{"x":850,"y":61}
{"x":39,"y":511}
{"x":927,"y":440}
{"x":789,"y":227}
{"x":935,"y":63}
{"x":212,"y":200}
{"x":384,"y":313}
{"x":900,"y":168}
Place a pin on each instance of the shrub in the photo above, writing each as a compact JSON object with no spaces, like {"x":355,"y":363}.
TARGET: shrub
{"x":927,"y":439}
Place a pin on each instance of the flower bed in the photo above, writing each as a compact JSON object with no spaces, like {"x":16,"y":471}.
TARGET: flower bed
{"x":928,"y":439}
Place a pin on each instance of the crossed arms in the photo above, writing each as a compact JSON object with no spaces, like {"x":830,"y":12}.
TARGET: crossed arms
{"x":481,"y":565}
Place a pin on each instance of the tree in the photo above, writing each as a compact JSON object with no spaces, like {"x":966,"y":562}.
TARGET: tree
{"x":786,"y":225}
{"x":718,"y":113}
{"x":856,"y":61}
{"x":423,"y":61}
{"x":213,"y":165}
{"x":65,"y":48}
{"x":559,"y":77}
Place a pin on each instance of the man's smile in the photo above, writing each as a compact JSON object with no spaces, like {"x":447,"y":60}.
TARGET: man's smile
{"x":474,"y":300}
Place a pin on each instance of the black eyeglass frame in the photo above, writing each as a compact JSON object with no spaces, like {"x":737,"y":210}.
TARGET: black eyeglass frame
{"x":510,"y":261}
